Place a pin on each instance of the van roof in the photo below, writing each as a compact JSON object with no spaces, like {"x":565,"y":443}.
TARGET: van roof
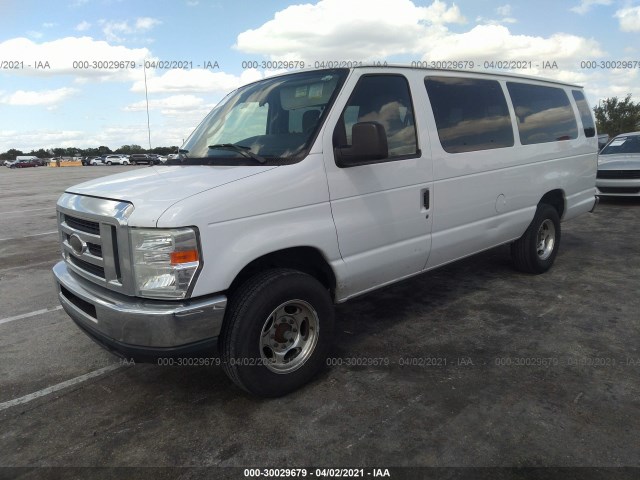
{"x":503,"y":75}
{"x":474,"y":72}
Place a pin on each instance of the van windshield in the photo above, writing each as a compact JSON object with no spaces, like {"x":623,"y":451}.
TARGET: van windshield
{"x":272,"y":121}
{"x":630,"y":144}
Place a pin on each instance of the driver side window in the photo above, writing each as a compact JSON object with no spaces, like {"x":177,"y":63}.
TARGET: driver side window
{"x":384,"y":99}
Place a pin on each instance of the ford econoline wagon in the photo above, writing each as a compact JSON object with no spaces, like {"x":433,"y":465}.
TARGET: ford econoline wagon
{"x":307,"y":189}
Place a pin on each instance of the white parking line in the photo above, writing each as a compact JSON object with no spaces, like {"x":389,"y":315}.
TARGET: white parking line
{"x":45,"y":211}
{"x":27,"y":265}
{"x":30,"y":314}
{"x":22,"y":211}
{"x":60,"y":386}
{"x":27,"y":236}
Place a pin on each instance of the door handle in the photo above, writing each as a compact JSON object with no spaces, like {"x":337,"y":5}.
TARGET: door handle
{"x":425,"y":199}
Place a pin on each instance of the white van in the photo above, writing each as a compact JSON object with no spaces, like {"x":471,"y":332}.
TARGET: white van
{"x":310,"y":188}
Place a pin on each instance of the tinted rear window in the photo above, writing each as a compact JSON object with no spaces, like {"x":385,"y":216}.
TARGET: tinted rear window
{"x":585,"y":113}
{"x":544,"y":114}
{"x":470,"y":114}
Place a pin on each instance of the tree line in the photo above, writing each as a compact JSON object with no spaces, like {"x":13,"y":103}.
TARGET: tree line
{"x":12,"y":153}
{"x":613,"y":117}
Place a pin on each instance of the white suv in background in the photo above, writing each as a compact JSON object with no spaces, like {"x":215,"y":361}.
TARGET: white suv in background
{"x":116,"y":160}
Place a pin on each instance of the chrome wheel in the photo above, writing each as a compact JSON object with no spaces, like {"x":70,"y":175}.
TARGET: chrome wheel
{"x":546,"y":239}
{"x":289,"y":336}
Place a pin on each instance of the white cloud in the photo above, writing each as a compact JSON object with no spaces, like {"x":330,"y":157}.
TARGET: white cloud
{"x":505,"y":14}
{"x":585,"y":5}
{"x":504,"y":10}
{"x":194,"y":81}
{"x":35,"y":34}
{"x":497,"y":42}
{"x":146,"y":23}
{"x":383,"y":28}
{"x":34,"y":139}
{"x":49,"y":25}
{"x":78,"y":3}
{"x":83,"y":26}
{"x":42,"y":97}
{"x":629,"y":19}
{"x":172,"y":105}
{"x":113,"y":30}
{"x":57,"y":53}
{"x":354,"y":30}
{"x":192,"y":3}
{"x":116,"y":31}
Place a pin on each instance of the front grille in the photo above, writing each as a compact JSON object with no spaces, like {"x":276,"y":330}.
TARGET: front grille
{"x":619,"y":174}
{"x":94,"y":249}
{"x":87,"y":267}
{"x":86,"y":226}
{"x":98,"y":225}
{"x":627,"y":190}
{"x":83,"y":305}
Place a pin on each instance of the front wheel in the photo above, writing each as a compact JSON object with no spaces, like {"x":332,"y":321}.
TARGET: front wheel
{"x":108,"y":163}
{"x":536,"y":250}
{"x":277,"y":332}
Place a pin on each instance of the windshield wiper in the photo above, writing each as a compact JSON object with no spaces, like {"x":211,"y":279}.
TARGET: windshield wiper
{"x":241,"y":149}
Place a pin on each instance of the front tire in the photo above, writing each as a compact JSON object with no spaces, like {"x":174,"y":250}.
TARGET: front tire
{"x":277,"y":332}
{"x":536,"y":250}
{"x":109,"y":163}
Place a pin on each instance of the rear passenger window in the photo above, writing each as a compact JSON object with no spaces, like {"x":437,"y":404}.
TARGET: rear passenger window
{"x":384,"y":99}
{"x":544,"y":114}
{"x":470,"y":114}
{"x":585,"y":113}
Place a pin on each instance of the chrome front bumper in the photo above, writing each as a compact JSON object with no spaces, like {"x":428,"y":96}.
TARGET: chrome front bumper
{"x":136,"y":327}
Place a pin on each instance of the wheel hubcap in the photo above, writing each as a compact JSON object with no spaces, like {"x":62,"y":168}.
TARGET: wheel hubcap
{"x":289,"y":336}
{"x":546,"y":239}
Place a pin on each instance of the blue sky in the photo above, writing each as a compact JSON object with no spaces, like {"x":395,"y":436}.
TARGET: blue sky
{"x":66,"y":106}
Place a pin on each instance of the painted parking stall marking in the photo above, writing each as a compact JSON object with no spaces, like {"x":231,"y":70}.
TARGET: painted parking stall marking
{"x":60,"y":386}
{"x":30,"y":314}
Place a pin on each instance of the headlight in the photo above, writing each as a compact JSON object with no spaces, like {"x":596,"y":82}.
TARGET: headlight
{"x":165,"y":262}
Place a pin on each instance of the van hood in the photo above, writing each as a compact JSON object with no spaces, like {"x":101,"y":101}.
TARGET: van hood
{"x":154,"y":189}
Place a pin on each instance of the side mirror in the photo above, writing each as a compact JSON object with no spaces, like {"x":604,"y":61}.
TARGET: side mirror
{"x":369,"y":143}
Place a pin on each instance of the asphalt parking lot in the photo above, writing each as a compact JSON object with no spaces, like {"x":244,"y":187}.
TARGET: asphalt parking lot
{"x":476,"y":366}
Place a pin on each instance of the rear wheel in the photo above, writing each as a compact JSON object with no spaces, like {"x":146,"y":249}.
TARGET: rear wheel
{"x":277,"y":332}
{"x":536,"y":250}
{"x":109,"y":162}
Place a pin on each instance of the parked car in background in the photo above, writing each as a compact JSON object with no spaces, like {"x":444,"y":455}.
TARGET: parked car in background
{"x":140,"y":158}
{"x":25,"y":163}
{"x":116,"y":160}
{"x":619,"y":166}
{"x":146,"y":158}
{"x":96,"y":161}
{"x":8,"y":163}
